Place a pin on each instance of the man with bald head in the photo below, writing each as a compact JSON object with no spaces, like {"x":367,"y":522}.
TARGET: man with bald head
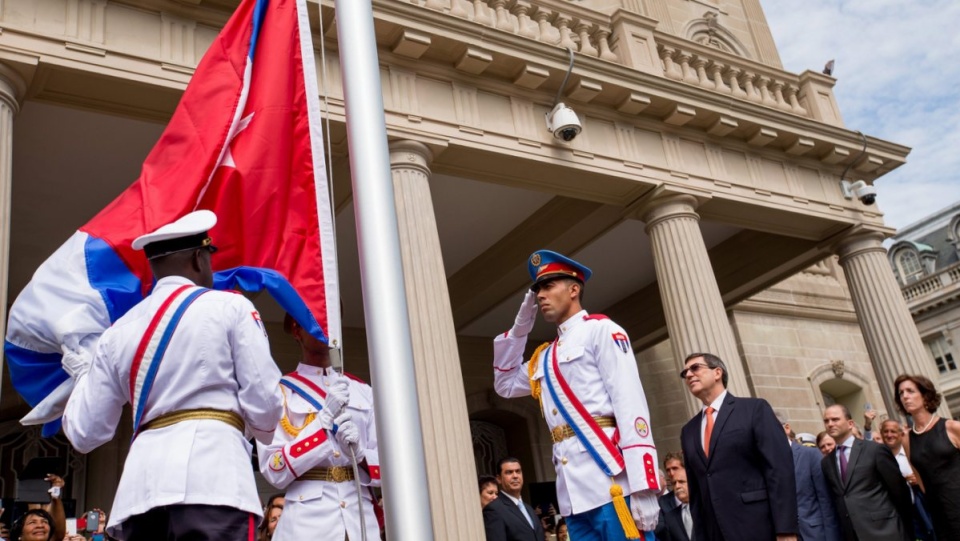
{"x":873,"y":502}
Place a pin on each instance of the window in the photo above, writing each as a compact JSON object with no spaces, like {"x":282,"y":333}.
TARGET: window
{"x":908,"y":264}
{"x":940,"y":351}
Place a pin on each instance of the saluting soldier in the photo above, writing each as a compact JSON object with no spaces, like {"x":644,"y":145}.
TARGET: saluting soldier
{"x":589,"y":390}
{"x":195,"y":365}
{"x":314,"y":467}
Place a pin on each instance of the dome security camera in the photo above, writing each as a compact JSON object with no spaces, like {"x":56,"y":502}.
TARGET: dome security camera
{"x":866,"y":193}
{"x":563,"y":122}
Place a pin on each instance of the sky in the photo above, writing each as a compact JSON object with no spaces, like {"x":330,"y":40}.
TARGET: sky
{"x":898,"y":79}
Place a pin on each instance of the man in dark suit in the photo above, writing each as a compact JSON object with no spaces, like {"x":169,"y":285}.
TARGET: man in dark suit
{"x":818,"y":518}
{"x":740,"y":471}
{"x":872,"y":499}
{"x":508,"y":518}
{"x":676,"y":522}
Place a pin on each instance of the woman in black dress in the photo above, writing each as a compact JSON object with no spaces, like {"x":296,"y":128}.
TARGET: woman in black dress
{"x":934,"y":451}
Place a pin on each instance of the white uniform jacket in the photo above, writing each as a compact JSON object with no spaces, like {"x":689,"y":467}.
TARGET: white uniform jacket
{"x":218,"y":358}
{"x":595,"y":358}
{"x":322,"y":510}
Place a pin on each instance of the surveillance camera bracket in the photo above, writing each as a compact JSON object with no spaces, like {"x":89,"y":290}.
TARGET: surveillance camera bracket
{"x":566,"y":78}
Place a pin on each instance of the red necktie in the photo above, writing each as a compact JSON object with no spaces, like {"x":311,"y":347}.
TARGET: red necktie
{"x":708,"y":431}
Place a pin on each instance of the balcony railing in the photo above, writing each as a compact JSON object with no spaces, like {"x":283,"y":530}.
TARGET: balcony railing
{"x":948,"y":278}
{"x":589,"y":32}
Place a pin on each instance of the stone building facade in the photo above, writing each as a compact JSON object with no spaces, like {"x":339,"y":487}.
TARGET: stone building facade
{"x":706,"y":177}
{"x":925,"y":257}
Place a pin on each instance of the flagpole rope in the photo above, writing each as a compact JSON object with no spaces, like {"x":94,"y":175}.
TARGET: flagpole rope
{"x":329,"y":160}
{"x":329,"y":164}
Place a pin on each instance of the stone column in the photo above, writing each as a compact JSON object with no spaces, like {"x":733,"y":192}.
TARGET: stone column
{"x":451,"y":473}
{"x":888,"y":329}
{"x":696,"y":318}
{"x":12,"y":88}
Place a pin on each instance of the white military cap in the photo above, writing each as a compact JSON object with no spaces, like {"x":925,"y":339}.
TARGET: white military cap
{"x":188,"y":233}
{"x":807,"y":439}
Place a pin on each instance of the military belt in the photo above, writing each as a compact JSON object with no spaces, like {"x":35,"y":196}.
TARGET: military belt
{"x":333,"y":474}
{"x":564,"y":432}
{"x":172,"y":418}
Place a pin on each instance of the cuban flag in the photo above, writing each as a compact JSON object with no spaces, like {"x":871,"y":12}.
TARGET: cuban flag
{"x":245,"y":142}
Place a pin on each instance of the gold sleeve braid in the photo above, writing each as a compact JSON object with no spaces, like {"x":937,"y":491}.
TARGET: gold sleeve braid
{"x":285,"y":423}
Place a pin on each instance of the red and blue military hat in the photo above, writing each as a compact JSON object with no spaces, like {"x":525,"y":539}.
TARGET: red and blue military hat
{"x":546,"y":265}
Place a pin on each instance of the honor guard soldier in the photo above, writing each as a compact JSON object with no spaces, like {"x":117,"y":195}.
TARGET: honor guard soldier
{"x":314,"y":466}
{"x":589,"y":389}
{"x":195,"y":366}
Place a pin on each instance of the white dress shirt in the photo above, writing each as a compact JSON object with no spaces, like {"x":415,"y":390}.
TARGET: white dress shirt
{"x":218,"y":358}
{"x":716,"y":411}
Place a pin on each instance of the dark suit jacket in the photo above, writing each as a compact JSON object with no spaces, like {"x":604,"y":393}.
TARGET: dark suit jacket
{"x":670,"y":527}
{"x":503,"y":521}
{"x":748,"y":479}
{"x":874,"y":503}
{"x":818,"y":518}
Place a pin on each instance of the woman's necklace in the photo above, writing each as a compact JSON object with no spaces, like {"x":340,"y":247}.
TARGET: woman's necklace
{"x":918,"y":432}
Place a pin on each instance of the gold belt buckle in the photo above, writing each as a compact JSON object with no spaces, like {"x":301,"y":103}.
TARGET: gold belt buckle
{"x":339,"y":474}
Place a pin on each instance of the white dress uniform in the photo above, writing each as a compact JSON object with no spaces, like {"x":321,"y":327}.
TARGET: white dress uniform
{"x":315,"y":509}
{"x":218,"y":358}
{"x":604,"y":378}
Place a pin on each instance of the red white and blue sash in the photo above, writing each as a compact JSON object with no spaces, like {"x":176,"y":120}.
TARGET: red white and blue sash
{"x":153,"y":346}
{"x":604,"y":452}
{"x":306,"y":389}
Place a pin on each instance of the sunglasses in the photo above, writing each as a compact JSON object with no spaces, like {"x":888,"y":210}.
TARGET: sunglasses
{"x":695,"y":367}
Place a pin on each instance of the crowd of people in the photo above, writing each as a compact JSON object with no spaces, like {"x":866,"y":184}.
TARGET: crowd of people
{"x":742,"y":474}
{"x":870,"y":486}
{"x":739,"y":475}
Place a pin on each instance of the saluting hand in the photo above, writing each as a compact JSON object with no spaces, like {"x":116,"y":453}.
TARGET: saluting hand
{"x":526,"y":317}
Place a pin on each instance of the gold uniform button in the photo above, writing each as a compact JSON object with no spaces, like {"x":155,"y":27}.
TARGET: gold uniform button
{"x":336,"y":454}
{"x":563,"y":460}
{"x":315,"y":440}
{"x":343,"y":505}
{"x":301,"y":498}
{"x":555,"y":411}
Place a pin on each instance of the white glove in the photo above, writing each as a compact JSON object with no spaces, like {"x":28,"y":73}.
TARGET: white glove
{"x":526,"y":317}
{"x":338,"y":396}
{"x":75,"y":362}
{"x":348,"y":434}
{"x":645,"y":509}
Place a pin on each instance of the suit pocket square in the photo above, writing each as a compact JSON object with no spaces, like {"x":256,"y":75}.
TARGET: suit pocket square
{"x":753,"y":496}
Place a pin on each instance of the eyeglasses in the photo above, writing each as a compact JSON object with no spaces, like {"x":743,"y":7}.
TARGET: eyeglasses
{"x":695,"y":367}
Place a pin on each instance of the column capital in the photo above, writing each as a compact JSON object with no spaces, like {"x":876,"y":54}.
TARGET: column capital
{"x":408,"y":154}
{"x":12,"y":87}
{"x":669,"y":206}
{"x":859,"y":243}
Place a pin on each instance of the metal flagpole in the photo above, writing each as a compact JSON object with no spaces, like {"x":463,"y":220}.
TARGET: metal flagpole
{"x":399,"y":434}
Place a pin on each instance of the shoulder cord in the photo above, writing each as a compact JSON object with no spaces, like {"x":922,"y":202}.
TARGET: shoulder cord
{"x":288,"y":427}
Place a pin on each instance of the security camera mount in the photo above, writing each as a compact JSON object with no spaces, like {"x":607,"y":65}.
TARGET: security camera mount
{"x":866,"y":193}
{"x":562,"y":121}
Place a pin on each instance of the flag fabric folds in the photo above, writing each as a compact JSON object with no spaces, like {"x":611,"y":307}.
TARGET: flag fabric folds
{"x":245,"y":142}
